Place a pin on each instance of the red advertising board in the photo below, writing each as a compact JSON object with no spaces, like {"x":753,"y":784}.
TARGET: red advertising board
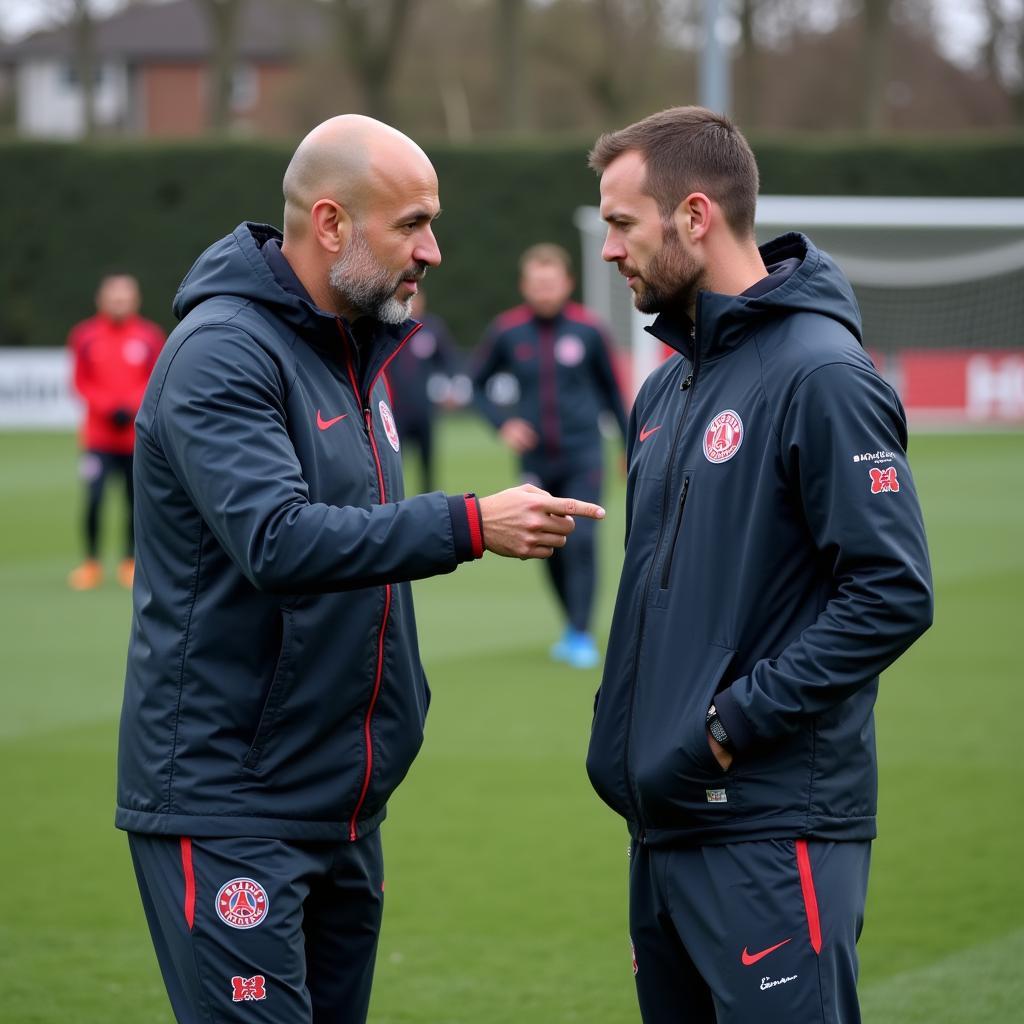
{"x":967,"y":386}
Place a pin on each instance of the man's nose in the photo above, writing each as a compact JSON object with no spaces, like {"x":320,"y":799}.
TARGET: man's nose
{"x":428,"y":251}
{"x":612,"y":251}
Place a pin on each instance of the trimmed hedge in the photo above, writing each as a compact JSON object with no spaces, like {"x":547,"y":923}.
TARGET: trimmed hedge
{"x":72,"y":212}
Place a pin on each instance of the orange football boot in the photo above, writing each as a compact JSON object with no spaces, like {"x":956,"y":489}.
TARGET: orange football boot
{"x":88,"y":576}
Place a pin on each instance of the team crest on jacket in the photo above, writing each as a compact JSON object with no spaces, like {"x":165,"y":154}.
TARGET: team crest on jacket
{"x":389,"y":425}
{"x":569,"y":350}
{"x":135,"y":351}
{"x":242,"y":903}
{"x":723,"y":437}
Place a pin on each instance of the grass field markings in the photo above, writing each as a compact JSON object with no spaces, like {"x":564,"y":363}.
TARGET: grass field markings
{"x":980,"y":983}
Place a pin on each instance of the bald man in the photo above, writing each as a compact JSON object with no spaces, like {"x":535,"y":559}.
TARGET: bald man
{"x":274,"y":696}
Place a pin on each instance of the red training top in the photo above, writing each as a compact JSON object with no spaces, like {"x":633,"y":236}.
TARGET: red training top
{"x":113,"y":360}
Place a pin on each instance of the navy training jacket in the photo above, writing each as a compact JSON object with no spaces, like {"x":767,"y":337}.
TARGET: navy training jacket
{"x":274,"y":686}
{"x":566,"y":380}
{"x":775,"y":564}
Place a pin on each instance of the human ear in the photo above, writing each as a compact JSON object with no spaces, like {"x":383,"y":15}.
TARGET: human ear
{"x":332,"y":225}
{"x":692,"y":217}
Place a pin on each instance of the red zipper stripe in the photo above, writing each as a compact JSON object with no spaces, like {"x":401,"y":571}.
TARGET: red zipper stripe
{"x":190,"y":881}
{"x":549,"y":390}
{"x":803,"y":862}
{"x":379,"y":676}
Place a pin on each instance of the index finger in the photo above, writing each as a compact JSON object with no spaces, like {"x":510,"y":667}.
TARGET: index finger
{"x":573,"y":507}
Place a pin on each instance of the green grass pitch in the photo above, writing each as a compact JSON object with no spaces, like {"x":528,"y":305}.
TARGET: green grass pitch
{"x":505,"y":875}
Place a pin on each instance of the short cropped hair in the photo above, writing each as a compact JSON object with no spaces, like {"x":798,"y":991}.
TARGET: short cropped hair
{"x":547,"y":253}
{"x":689,"y":149}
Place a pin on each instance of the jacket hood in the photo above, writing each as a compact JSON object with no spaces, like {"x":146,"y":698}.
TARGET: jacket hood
{"x":235,"y":266}
{"x":815,"y":285}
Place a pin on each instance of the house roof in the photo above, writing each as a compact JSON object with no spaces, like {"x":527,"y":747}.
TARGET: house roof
{"x":179,"y":30}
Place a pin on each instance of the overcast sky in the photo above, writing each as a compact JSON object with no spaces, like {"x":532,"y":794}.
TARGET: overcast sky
{"x":960,"y":26}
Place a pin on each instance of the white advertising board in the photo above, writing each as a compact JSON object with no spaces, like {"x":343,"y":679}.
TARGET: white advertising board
{"x":36,"y":391}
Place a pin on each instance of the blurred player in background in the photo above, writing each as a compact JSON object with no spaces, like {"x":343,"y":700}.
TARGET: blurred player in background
{"x":560,"y":356}
{"x":421,"y":377}
{"x":113,"y":354}
{"x":274,"y":695}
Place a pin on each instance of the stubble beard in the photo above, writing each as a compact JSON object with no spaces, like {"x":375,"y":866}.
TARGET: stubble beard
{"x":363,"y":285}
{"x":672,"y":278}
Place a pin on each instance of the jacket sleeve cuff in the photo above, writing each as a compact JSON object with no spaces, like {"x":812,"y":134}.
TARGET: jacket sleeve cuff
{"x":467,"y":526}
{"x":737,"y":728}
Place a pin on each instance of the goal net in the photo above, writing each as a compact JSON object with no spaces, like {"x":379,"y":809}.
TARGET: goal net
{"x":940,"y":284}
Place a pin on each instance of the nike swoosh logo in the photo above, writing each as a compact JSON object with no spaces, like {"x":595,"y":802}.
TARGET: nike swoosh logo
{"x":751,"y":958}
{"x":324,"y":424}
{"x":645,"y":433}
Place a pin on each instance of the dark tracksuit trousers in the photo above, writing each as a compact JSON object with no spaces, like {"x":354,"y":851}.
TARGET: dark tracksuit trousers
{"x":269,"y":931}
{"x":573,"y":569}
{"x":96,"y":468}
{"x":760,"y":932}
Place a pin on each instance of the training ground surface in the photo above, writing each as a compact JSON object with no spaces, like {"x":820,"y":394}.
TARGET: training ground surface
{"x":505,"y":874}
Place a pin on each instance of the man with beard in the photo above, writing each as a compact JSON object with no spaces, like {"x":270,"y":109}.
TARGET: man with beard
{"x":274,"y":695}
{"x":775,"y":564}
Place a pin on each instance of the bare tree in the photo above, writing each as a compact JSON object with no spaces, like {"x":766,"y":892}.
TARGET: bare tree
{"x":224,"y":17}
{"x":511,"y":52}
{"x":1003,"y":51}
{"x":370,"y":33}
{"x":83,"y":33}
{"x":877,"y":22}
{"x":745,"y":65}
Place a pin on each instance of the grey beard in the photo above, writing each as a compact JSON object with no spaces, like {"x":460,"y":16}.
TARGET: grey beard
{"x":366,"y":287}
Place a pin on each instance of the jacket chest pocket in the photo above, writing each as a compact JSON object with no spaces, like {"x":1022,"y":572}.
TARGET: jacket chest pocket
{"x":668,"y":560}
{"x":277,"y":692}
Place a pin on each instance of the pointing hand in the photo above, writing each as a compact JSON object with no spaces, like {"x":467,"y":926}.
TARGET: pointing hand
{"x":527,"y":522}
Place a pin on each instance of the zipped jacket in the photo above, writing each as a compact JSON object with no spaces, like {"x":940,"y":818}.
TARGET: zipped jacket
{"x":112,"y":362}
{"x":775,"y":564}
{"x":563,"y":368}
{"x":274,"y":685}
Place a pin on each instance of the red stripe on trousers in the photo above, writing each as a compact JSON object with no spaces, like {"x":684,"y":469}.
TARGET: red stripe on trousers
{"x":190,"y":882}
{"x":803,"y":862}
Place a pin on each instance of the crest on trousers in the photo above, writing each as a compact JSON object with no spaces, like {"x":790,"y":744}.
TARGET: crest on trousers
{"x":244,"y":990}
{"x":389,"y":425}
{"x":242,"y":903}
{"x":723,"y":437}
{"x":884,"y":480}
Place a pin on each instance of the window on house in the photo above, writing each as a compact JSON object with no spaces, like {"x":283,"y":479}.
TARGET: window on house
{"x":70,"y":79}
{"x":244,"y":88}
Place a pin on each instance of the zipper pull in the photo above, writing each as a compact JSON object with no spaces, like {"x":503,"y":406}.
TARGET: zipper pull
{"x":367,"y":421}
{"x":686,"y":383}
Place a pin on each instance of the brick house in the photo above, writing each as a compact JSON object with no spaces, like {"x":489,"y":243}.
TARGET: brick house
{"x":153,"y":74}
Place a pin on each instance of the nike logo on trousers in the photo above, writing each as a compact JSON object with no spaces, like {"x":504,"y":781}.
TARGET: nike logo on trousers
{"x":751,"y":958}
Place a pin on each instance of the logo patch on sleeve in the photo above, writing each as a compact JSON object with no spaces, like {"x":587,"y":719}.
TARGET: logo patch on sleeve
{"x":242,"y":903}
{"x":245,"y":990}
{"x":884,"y":480}
{"x":723,"y":437}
